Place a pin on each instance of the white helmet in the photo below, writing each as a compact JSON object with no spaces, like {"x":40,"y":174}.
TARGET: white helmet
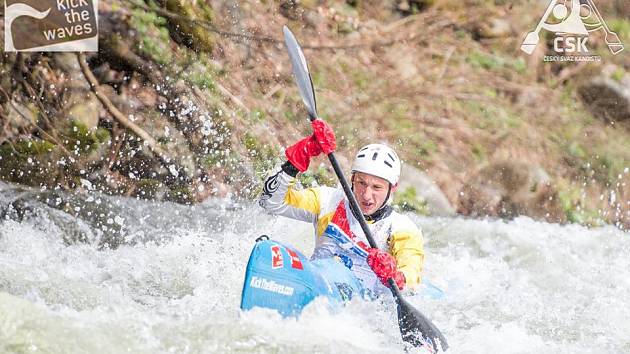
{"x":378,"y":160}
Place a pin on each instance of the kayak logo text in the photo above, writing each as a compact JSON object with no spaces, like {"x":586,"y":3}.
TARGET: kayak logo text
{"x":270,"y":285}
{"x":50,"y":25}
{"x":572,"y":22}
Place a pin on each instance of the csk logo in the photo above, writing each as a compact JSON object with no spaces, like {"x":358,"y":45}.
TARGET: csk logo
{"x":572,"y":22}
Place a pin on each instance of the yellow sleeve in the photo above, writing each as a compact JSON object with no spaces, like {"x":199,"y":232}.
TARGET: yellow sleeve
{"x":408,"y":250}
{"x":305,"y":199}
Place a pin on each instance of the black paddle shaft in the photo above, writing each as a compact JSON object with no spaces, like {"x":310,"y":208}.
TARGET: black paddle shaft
{"x":415,"y":328}
{"x":410,"y":320}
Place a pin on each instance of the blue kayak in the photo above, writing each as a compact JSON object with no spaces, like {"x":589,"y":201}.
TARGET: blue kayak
{"x":280,"y":277}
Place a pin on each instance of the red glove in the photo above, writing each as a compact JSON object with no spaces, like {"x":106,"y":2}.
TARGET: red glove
{"x":322,"y":140}
{"x":384,"y":266}
{"x":324,"y":135}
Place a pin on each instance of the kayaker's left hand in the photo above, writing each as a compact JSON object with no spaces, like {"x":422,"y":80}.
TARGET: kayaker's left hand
{"x":384,"y":266}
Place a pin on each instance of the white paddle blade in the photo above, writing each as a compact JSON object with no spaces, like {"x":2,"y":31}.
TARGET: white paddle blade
{"x":301,"y":73}
{"x":530,"y":42}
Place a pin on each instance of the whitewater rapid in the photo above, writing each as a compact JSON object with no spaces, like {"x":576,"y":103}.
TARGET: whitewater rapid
{"x":174,"y":285}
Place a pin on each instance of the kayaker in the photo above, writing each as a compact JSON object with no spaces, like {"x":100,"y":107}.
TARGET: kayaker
{"x":375,"y":174}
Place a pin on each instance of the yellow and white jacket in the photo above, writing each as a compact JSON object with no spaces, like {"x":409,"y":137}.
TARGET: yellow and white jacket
{"x":338,"y":233}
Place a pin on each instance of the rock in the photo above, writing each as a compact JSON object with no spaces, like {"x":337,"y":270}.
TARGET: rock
{"x":405,"y":62}
{"x":68,"y":63}
{"x":80,"y":218}
{"x":30,"y":161}
{"x":607,"y":99}
{"x":427,"y":189}
{"x":83,"y":107}
{"x":508,"y":189}
{"x":493,"y":28}
{"x":20,"y":116}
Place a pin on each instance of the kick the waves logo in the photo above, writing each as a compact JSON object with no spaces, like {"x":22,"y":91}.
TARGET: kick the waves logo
{"x":272,"y":286}
{"x":50,"y":25}
{"x":572,"y":22}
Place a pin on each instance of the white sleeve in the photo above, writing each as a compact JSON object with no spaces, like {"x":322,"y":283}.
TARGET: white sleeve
{"x":279,"y":197}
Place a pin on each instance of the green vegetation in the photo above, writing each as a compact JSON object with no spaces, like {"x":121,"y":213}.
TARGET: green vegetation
{"x":147,"y":188}
{"x":30,"y":160}
{"x":180,"y":194}
{"x":621,"y":26}
{"x":574,"y":206}
{"x":493,"y":117}
{"x":495,"y":62}
{"x":319,"y":176}
{"x":154,"y":36}
{"x":192,"y":34}
{"x":479,"y":152}
{"x":198,"y":70}
{"x":408,"y":200}
{"x":82,"y":140}
{"x":263,"y":156}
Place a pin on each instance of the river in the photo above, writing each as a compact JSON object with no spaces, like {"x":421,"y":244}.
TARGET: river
{"x":173,"y":286}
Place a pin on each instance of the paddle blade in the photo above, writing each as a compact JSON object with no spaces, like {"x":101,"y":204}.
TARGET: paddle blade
{"x":301,"y":73}
{"x":613,"y":42}
{"x":530,"y":42}
{"x":417,"y":330}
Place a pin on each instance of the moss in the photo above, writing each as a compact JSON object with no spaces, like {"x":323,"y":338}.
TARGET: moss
{"x":153,"y":36}
{"x":179,"y":194}
{"x":30,"y":161}
{"x":191,"y":34}
{"x":81,"y":140}
{"x":34,"y":147}
{"x":408,"y":200}
{"x":102,"y":135}
{"x":147,"y":188}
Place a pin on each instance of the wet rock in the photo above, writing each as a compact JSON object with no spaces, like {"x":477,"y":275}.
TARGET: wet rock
{"x":508,"y":189}
{"x":436,"y":202}
{"x":83,"y":107}
{"x":32,"y":161}
{"x":20,"y":116}
{"x":607,"y":99}
{"x":80,"y":218}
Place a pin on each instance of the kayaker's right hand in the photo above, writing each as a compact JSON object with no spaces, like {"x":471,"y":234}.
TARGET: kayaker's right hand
{"x":384,"y":266}
{"x":322,"y":140}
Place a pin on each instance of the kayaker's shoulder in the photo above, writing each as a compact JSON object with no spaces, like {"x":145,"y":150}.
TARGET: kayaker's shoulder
{"x":401,"y":222}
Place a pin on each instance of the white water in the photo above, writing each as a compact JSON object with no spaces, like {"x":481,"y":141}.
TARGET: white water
{"x":512,"y":287}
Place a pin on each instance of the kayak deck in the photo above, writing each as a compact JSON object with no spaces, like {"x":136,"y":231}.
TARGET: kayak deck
{"x":280,"y":277}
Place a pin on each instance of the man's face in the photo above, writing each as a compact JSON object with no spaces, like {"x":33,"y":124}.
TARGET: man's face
{"x":370,"y":191}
